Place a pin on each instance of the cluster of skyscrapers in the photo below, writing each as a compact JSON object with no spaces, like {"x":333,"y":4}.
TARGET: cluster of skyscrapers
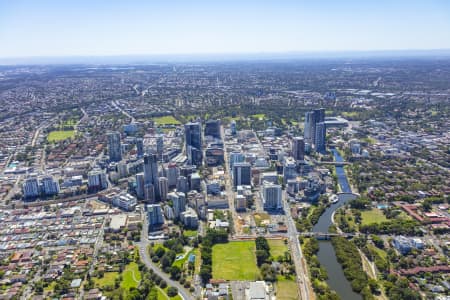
{"x":45,"y":186}
{"x":315,"y":129}
{"x":151,"y":177}
{"x":193,"y":140}
{"x":152,"y":184}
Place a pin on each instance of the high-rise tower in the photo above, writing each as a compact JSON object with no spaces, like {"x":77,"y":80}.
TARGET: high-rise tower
{"x":114,"y":146}
{"x":193,"y":140}
{"x":151,"y":172}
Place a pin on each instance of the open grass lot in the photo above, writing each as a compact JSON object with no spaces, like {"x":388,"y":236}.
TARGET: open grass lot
{"x":190,"y":233}
{"x":369,"y":140}
{"x":107,"y":279}
{"x":404,"y":216}
{"x":234,"y":261}
{"x":350,"y":114}
{"x":59,"y":135}
{"x":70,"y":122}
{"x":260,"y":218}
{"x":286,"y":289}
{"x":130,"y":276}
{"x":259,"y":116}
{"x":379,"y":251}
{"x":229,"y":119}
{"x":277,"y":248}
{"x":161,"y":294}
{"x":158,"y":245}
{"x":49,"y":288}
{"x":372,"y":216}
{"x":180,"y":262}
{"x":166,"y":120}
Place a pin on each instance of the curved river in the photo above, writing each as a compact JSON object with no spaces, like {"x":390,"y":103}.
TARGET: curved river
{"x":327,"y":255}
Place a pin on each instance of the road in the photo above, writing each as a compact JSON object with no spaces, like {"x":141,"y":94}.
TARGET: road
{"x":15,"y":189}
{"x":297,"y":256}
{"x":43,"y":157}
{"x":114,"y":103}
{"x":97,"y":246}
{"x":28,"y":291}
{"x":36,"y":135}
{"x":145,"y":257}
{"x":84,"y":118}
{"x":228,"y":182}
{"x":38,"y":131}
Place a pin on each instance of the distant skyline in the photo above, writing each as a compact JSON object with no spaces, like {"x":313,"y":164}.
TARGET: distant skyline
{"x":114,"y":28}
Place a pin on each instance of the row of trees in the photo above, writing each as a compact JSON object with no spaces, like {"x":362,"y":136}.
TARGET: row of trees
{"x":263,"y":259}
{"x":307,"y":219}
{"x":348,"y":256}
{"x":212,"y":237}
{"x":404,"y":227}
{"x":147,"y":288}
{"x":317,"y":273}
{"x":262,"y":251}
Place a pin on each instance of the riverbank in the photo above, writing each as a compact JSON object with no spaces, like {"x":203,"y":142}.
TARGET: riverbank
{"x":326,"y":254}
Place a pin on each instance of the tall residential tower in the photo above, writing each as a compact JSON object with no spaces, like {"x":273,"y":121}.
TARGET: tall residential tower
{"x":193,"y":140}
{"x":114,"y":146}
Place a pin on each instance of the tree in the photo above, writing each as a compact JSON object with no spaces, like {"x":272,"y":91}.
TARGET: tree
{"x":160,"y":252}
{"x":134,"y":294}
{"x":374,"y":286}
{"x":261,"y":256}
{"x":378,"y":241}
{"x":360,"y":203}
{"x":172,"y":291}
{"x":262,"y":244}
{"x":175,"y":272}
{"x":268,"y":273}
{"x":426,"y":206}
{"x":205,"y":273}
{"x":117,"y":294}
{"x":163,"y":284}
{"x":165,"y":261}
{"x":38,"y":287}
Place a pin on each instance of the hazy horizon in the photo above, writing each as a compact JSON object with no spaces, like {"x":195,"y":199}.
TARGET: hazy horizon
{"x":225,"y":57}
{"x":144,"y":28}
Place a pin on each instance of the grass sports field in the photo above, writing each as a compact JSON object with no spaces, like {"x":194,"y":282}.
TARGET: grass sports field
{"x":166,"y":120}
{"x":59,"y":135}
{"x":235,"y":261}
{"x":372,"y":216}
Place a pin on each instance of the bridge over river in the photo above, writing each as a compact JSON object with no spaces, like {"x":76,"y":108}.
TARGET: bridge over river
{"x":327,"y":235}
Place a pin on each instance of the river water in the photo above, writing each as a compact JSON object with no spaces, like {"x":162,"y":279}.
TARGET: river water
{"x":327,"y":255}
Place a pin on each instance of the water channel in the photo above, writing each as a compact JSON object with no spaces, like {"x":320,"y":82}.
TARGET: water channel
{"x":327,"y":255}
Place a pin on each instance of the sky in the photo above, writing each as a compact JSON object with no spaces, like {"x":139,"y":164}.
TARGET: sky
{"x":36,"y":28}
